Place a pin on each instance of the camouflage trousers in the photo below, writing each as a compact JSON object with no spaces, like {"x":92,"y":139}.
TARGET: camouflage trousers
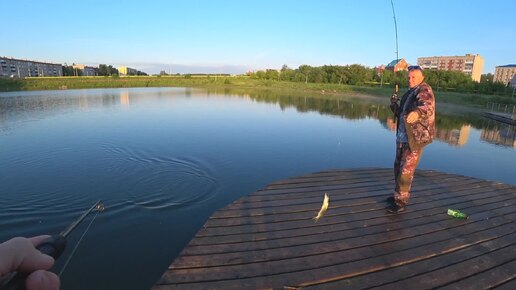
{"x":404,"y":167}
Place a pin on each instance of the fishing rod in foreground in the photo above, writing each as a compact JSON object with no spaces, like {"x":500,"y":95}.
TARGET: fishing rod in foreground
{"x":54,"y":246}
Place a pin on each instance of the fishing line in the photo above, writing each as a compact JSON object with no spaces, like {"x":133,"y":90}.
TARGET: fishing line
{"x":99,"y":207}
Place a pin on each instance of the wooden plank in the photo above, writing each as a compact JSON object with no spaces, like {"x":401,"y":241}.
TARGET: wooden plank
{"x":420,"y":269}
{"x":338,"y":173}
{"x":364,"y":190}
{"x":360,"y":218}
{"x":492,"y":276}
{"x":335,"y":215}
{"x":254,"y":201}
{"x":507,"y":285}
{"x":319,"y":274}
{"x":337,"y":202}
{"x":268,"y":240}
{"x":332,"y":261}
{"x":371,"y":233}
{"x":321,"y":186}
{"x":312,"y":245}
{"x":370,"y":196}
{"x":483,"y":272}
{"x":345,"y":225}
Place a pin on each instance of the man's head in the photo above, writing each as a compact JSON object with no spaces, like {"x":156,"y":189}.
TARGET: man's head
{"x":415,"y":76}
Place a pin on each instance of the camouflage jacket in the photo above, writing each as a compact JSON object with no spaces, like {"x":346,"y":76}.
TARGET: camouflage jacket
{"x":421,"y":132}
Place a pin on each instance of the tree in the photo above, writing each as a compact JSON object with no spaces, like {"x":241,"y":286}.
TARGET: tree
{"x":105,"y":70}
{"x":318,"y":75}
{"x":112,"y":71}
{"x":271,"y":74}
{"x":305,"y":70}
{"x":358,"y":74}
{"x":286,"y":73}
{"x":67,"y":70}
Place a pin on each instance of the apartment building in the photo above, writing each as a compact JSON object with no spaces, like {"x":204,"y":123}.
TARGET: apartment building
{"x":87,"y":71}
{"x":21,"y":68}
{"x":127,"y":71}
{"x":504,"y":73}
{"x":469,"y":64}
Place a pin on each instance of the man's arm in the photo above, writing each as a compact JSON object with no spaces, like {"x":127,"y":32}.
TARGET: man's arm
{"x":425,"y":106}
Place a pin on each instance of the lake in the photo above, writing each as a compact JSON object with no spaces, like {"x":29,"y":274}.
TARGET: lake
{"x":163,"y":159}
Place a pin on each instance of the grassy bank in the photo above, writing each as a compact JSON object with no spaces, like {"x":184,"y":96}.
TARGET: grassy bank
{"x":230,"y":82}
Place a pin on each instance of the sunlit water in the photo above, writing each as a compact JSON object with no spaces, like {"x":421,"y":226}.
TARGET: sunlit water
{"x":163,"y":159}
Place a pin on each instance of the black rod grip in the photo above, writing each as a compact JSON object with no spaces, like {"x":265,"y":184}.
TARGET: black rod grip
{"x":53,"y":246}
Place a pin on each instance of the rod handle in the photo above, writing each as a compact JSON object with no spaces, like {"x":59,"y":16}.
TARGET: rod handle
{"x":53,"y":246}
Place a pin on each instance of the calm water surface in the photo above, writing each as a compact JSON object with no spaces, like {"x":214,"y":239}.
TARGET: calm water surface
{"x":163,"y":159}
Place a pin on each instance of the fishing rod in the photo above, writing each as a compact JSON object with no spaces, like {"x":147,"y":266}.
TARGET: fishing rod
{"x":395,"y":30}
{"x":53,"y":246}
{"x":395,"y":98}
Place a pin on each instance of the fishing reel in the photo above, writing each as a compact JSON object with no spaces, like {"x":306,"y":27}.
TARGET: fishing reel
{"x":395,"y":98}
{"x":395,"y":101}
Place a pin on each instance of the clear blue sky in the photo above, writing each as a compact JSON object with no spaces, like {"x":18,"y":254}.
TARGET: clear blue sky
{"x":235,"y":36}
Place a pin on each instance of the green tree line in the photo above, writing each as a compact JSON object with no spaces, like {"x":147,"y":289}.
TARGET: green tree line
{"x":360,"y":75}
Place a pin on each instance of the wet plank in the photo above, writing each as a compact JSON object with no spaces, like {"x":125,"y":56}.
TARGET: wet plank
{"x":268,"y":240}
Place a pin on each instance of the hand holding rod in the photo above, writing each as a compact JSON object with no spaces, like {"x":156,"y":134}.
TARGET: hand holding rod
{"x":54,"y":246}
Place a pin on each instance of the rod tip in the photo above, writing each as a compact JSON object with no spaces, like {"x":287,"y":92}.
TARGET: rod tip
{"x":100,"y":206}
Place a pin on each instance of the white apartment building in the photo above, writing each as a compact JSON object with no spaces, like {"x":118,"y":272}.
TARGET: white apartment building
{"x":504,"y":73}
{"x":21,"y":68}
{"x":469,"y":64}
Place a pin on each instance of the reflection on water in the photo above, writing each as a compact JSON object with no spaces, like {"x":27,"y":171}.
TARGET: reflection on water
{"x":15,"y":106}
{"x":124,"y":98}
{"x":19,"y":107}
{"x":499,"y":133}
{"x":456,"y":137}
{"x":452,"y":129}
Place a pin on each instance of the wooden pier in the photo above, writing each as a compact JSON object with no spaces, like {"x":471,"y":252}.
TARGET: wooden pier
{"x":501,"y":117}
{"x":268,"y":240}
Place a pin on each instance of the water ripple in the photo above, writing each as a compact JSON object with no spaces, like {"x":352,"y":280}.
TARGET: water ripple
{"x":157,"y":182}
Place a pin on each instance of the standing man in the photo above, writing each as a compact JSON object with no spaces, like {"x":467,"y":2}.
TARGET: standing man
{"x":415,"y":127}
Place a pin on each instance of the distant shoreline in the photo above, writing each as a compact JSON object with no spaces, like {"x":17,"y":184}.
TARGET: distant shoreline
{"x":63,"y":83}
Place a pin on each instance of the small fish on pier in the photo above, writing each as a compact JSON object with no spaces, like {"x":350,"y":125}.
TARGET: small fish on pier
{"x":324,"y":207}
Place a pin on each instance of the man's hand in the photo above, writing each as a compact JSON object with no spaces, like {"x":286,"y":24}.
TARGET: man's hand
{"x":21,"y":255}
{"x":412,"y":117}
